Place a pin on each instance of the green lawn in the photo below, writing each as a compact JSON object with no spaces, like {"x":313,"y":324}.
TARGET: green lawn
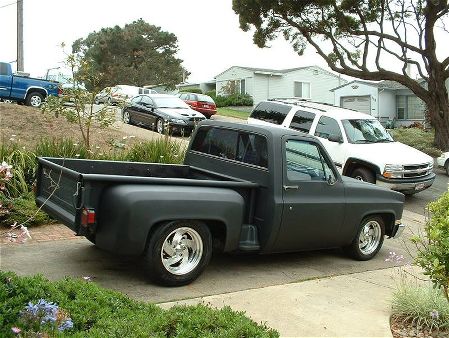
{"x":224,"y":111}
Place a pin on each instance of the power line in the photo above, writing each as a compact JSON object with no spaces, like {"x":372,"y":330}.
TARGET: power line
{"x":12,"y":3}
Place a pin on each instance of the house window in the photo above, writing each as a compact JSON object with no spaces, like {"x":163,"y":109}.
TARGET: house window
{"x":302,"y":90}
{"x":242,"y":86}
{"x":409,"y":107}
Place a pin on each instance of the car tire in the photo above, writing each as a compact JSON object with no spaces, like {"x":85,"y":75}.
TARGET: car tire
{"x":446,"y":166}
{"x":369,"y":239}
{"x":178,"y":252}
{"x":109,"y":101}
{"x":160,"y":125}
{"x":363,"y":174}
{"x":127,"y":117}
{"x":34,"y":99}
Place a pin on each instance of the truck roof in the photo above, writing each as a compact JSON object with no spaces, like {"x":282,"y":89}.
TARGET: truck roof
{"x":270,"y":131}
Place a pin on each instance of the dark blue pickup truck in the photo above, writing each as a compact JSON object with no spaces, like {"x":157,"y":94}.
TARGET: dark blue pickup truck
{"x":242,"y":188}
{"x":24,"y":89}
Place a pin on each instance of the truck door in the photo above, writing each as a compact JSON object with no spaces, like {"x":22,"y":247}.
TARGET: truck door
{"x":313,"y":198}
{"x":5,"y":80}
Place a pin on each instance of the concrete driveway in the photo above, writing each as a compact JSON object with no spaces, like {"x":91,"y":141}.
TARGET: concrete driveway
{"x":226,"y":273}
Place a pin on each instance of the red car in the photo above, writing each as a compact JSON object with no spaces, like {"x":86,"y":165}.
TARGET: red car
{"x":200,"y":102}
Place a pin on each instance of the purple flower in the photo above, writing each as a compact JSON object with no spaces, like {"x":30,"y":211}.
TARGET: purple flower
{"x":434,"y":314}
{"x":68,"y":324}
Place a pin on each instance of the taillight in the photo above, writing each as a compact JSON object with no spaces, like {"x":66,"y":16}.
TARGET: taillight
{"x":87,"y":217}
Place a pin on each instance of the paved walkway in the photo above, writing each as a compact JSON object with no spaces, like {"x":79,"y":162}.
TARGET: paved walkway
{"x":48,"y":232}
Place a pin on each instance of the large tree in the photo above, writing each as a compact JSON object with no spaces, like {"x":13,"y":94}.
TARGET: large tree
{"x":138,"y":54}
{"x":367,"y":39}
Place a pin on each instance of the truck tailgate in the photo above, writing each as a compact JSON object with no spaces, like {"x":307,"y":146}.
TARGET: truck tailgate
{"x":57,"y":191}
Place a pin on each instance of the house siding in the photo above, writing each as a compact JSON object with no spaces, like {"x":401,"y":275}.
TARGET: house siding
{"x":387,"y":105}
{"x":235,"y":73}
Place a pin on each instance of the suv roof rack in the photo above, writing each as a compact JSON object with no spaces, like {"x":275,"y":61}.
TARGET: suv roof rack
{"x":300,"y":102}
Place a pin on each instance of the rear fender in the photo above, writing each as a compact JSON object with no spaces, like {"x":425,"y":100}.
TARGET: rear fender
{"x":128,"y":213}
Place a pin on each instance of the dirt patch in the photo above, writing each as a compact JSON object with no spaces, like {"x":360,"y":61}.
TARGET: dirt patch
{"x":401,"y":328}
{"x":26,"y":126}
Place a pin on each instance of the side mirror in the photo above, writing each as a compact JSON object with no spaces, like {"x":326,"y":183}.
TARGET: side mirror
{"x":331,"y":180}
{"x":335,"y":138}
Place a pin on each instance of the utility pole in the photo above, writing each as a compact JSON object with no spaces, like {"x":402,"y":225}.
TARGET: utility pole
{"x":20,"y":65}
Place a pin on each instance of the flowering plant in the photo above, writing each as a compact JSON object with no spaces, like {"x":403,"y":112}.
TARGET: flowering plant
{"x":43,"y":317}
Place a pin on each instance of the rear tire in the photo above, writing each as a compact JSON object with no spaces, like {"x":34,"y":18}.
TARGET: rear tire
{"x":160,"y":125}
{"x":363,"y":174}
{"x":369,"y":239}
{"x":34,"y":99}
{"x":126,"y":117}
{"x":178,"y":252}
{"x":446,"y":166}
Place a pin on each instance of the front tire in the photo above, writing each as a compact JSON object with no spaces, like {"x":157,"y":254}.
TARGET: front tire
{"x":446,"y":166}
{"x":34,"y":99}
{"x":369,"y":239}
{"x":126,"y":117}
{"x":178,"y":252}
{"x":363,"y":174}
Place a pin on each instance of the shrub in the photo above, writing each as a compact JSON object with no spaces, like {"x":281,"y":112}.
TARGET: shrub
{"x":51,"y":147}
{"x":233,"y":100}
{"x":23,"y":169}
{"x":191,"y":90}
{"x":22,"y":210}
{"x":98,"y":312}
{"x":433,"y":245}
{"x":417,"y":138}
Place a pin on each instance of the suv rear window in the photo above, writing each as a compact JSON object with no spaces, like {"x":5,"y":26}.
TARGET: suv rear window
{"x":238,"y":146}
{"x":270,"y":112}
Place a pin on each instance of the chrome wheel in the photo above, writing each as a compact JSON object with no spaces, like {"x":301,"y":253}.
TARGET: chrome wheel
{"x":182,"y":251}
{"x":35,"y":101}
{"x":370,"y":237}
{"x":160,"y":126}
{"x":126,"y":117}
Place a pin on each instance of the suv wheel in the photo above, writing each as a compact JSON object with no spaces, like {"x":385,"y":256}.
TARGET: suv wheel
{"x":363,"y":174}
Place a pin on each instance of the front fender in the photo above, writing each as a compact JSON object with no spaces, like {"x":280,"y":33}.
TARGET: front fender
{"x":127,"y":213}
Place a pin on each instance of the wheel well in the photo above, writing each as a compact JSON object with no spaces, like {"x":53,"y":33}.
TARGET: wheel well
{"x":388,"y":220}
{"x":216,"y":228}
{"x":352,"y":164}
{"x":37,"y":90}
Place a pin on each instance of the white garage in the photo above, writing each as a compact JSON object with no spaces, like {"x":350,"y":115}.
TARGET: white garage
{"x":358,"y":103}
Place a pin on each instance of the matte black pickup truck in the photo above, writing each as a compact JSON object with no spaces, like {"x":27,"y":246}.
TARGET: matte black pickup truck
{"x":242,"y":189}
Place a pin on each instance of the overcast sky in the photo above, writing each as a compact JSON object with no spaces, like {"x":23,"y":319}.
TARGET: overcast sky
{"x":209,"y":37}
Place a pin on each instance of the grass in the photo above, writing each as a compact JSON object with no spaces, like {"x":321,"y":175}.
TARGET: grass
{"x":224,"y":111}
{"x":98,"y":312}
{"x":421,"y":305}
{"x":417,"y":138}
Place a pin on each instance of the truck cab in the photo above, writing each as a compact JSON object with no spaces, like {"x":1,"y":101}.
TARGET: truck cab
{"x":24,"y":89}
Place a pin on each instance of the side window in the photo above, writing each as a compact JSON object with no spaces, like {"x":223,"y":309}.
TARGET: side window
{"x":136,"y":100}
{"x":304,"y":162}
{"x":146,"y":101}
{"x":302,"y":121}
{"x":243,"y":147}
{"x":270,"y":112}
{"x":3,"y":69}
{"x":327,"y":127}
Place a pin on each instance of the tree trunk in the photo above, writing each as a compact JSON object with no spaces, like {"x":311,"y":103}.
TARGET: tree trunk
{"x":438,"y":110}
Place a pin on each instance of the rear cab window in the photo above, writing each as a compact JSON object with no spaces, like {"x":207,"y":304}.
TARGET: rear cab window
{"x":234,"y":145}
{"x":270,"y":112}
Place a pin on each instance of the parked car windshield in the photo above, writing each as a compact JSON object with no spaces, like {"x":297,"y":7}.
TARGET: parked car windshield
{"x":169,"y":102}
{"x":365,"y":131}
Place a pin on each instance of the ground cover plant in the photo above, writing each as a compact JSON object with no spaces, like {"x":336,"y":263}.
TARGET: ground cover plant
{"x":417,"y":138}
{"x":36,"y":307}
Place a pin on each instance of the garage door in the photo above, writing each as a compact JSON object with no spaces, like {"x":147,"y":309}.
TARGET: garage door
{"x":358,"y":103}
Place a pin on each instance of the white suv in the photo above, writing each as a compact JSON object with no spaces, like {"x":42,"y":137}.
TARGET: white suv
{"x":358,"y":144}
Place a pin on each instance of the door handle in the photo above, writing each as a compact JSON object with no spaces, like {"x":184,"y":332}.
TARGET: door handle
{"x":290,"y":187}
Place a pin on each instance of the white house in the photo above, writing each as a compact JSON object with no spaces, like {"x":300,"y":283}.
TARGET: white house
{"x":310,"y":82}
{"x":385,"y":100}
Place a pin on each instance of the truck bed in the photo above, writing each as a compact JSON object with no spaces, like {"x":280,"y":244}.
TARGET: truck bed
{"x":65,"y":186}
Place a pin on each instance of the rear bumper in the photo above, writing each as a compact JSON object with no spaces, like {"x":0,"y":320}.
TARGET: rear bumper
{"x":206,"y":112}
{"x":406,"y":185}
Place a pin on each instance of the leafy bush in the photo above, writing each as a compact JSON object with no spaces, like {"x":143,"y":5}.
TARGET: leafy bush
{"x":98,"y":312}
{"x":417,"y":138}
{"x":433,"y":245}
{"x":51,"y":147}
{"x":421,"y":305}
{"x":233,"y":100}
{"x":23,"y":164}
